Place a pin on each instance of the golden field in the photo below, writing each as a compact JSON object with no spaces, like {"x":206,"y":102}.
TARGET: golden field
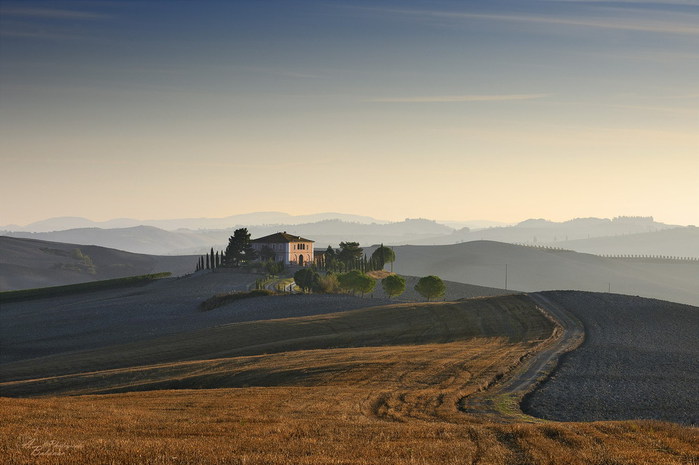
{"x":347,"y":388}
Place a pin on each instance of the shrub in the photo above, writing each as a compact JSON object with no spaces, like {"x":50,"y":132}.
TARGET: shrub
{"x":222,"y":299}
{"x":329,"y":284}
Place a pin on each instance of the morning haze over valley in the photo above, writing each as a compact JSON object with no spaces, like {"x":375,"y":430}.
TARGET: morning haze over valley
{"x":351,"y":232}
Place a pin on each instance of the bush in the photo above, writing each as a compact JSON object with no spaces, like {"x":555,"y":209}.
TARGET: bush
{"x":329,"y":284}
{"x":273,"y":268}
{"x":222,"y":299}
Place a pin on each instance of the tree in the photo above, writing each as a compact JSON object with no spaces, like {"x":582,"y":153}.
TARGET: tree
{"x":273,"y":268}
{"x":330,"y":258}
{"x":356,"y":281}
{"x":393,"y":285}
{"x":239,"y":250}
{"x":350,"y":252}
{"x":364,"y":284}
{"x":307,"y":279}
{"x":267,"y":253}
{"x":430,"y":287}
{"x":383,"y":255}
{"x":347,"y":280}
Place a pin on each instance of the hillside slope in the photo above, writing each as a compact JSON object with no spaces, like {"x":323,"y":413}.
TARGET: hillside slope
{"x":487,"y":263}
{"x":229,"y":353}
{"x":638,"y":361}
{"x":29,"y":263}
{"x":675,"y":242}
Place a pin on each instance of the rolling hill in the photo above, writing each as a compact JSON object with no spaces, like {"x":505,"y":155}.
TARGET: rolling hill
{"x":675,"y":242}
{"x":30,"y":263}
{"x":487,"y":263}
{"x":357,"y":386}
{"x":331,"y":378}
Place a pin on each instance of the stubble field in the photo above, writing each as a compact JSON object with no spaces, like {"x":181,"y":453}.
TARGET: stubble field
{"x":370,"y":386}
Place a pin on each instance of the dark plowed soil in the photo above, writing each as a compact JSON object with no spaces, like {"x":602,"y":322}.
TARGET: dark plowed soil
{"x":36,"y":328}
{"x":640,"y":360}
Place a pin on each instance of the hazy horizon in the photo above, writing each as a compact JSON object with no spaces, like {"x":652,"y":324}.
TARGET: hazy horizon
{"x":454,"y":111}
{"x":339,"y":216}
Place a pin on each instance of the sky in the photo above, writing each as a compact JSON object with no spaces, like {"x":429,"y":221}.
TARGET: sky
{"x":448,"y":110}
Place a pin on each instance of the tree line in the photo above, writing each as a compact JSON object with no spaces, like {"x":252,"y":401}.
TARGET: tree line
{"x":238,"y":252}
{"x":358,"y":282}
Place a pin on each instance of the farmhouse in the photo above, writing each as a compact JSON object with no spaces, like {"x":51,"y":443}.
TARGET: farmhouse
{"x":283,"y":247}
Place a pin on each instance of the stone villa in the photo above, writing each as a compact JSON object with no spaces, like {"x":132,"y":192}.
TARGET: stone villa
{"x":292,"y":250}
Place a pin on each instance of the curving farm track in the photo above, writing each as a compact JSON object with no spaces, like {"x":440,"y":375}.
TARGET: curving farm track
{"x":534,"y":366}
{"x":612,"y":357}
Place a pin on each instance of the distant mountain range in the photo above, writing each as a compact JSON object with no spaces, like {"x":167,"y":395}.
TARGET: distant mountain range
{"x":621,"y":235}
{"x":257,"y":218}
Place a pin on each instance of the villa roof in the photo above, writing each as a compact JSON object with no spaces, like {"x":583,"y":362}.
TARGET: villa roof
{"x":281,"y":237}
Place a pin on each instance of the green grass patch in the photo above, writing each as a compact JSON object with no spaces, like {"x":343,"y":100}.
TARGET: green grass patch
{"x":508,"y":405}
{"x":223,"y":299}
{"x":57,"y":291}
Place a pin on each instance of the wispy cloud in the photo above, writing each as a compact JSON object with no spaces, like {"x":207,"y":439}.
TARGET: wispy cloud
{"x":687,"y":26}
{"x":632,"y":2}
{"x":27,"y":34}
{"x":51,"y":13}
{"x":459,"y":98}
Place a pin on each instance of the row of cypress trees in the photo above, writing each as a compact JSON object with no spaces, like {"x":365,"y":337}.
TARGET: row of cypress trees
{"x":210,"y":261}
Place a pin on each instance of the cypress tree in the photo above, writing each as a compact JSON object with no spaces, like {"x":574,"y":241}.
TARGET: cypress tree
{"x":208,"y":266}
{"x":213,"y":263}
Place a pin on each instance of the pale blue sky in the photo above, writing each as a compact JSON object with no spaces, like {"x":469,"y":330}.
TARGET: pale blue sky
{"x":448,"y":110}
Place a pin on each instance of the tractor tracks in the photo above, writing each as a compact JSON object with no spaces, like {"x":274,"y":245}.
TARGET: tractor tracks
{"x":501,"y":398}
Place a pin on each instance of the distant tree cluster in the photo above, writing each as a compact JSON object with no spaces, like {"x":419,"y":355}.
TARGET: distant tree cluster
{"x":238,"y":252}
{"x":355,"y":281}
{"x":210,"y":261}
{"x":352,"y":257}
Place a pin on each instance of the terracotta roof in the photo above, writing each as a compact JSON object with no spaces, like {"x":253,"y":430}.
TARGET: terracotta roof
{"x":281,"y":237}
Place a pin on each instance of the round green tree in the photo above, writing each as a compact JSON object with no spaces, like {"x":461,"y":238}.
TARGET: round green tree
{"x":356,"y":281}
{"x":430,"y":287}
{"x":364,"y":284}
{"x":307,"y":279}
{"x":393,"y":285}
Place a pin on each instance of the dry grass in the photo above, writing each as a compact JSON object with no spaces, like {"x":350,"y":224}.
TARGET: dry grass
{"x":307,"y":425}
{"x":395,"y":403}
{"x":379,"y":274}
